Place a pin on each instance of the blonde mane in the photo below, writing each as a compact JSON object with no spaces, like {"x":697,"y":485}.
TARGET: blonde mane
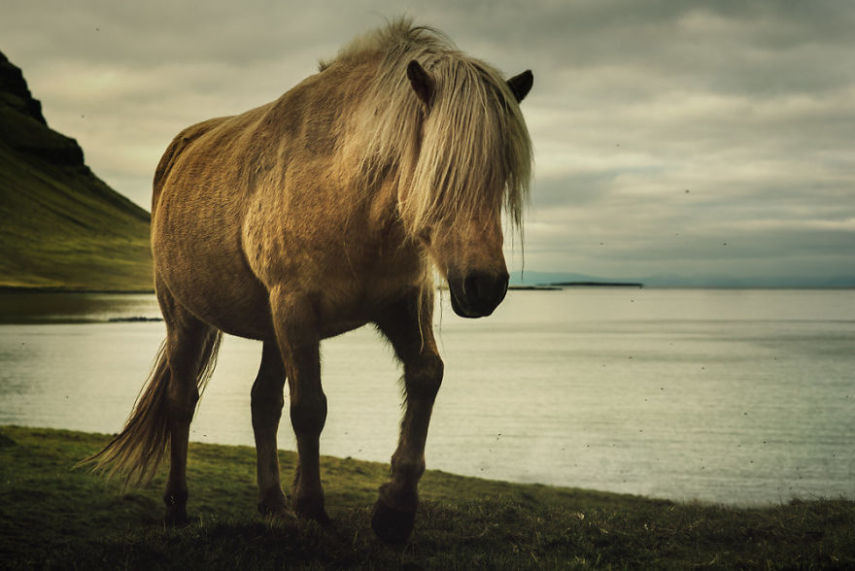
{"x":472,"y":149}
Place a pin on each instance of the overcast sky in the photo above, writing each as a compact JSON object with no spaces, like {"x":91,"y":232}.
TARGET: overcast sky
{"x":693,"y":139}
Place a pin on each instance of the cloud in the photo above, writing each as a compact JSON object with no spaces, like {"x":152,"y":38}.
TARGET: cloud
{"x":749,"y":107}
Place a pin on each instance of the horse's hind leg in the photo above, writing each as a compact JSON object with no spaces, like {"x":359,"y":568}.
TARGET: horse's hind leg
{"x":190,"y":345}
{"x":267,"y":402}
{"x":407,"y":325}
{"x":299,"y":345}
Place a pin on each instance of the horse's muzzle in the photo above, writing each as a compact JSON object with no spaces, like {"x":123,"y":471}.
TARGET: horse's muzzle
{"x":477,"y":293}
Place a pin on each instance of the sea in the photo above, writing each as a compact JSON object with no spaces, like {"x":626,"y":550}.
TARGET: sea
{"x":735,"y":397}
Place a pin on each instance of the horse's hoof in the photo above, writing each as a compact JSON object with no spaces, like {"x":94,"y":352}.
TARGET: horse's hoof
{"x":275,"y":504}
{"x":176,"y":509}
{"x":312,"y":510}
{"x":276,"y":511}
{"x":390,"y":524}
{"x":176,"y":517}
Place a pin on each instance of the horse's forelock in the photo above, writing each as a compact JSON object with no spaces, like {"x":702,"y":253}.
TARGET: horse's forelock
{"x":475,"y":150}
{"x":471,"y":150}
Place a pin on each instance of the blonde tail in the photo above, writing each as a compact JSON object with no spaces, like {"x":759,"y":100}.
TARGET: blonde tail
{"x":138,"y":450}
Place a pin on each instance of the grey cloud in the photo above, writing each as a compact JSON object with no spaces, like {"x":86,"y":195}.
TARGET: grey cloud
{"x":748,"y":105}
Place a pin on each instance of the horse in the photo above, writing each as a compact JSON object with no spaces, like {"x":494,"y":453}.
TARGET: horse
{"x":337,"y":205}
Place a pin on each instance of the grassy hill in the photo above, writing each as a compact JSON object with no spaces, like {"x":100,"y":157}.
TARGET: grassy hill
{"x":62,"y":227}
{"x":54,"y":517}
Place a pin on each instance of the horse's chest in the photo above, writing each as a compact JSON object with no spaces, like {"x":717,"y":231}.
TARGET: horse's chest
{"x":347,"y":300}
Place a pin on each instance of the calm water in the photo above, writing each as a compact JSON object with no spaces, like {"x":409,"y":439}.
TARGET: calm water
{"x":725,"y":396}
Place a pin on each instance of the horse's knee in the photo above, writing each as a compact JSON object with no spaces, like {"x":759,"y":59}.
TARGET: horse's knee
{"x":267,"y":400}
{"x":308,"y":414}
{"x":423,"y":377}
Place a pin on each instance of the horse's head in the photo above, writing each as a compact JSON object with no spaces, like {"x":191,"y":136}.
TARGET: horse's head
{"x":474,"y":158}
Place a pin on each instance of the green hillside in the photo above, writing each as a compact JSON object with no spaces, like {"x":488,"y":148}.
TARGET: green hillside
{"x":61,"y":227}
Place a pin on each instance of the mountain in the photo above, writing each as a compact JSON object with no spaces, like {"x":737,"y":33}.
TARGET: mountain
{"x":61,"y":227}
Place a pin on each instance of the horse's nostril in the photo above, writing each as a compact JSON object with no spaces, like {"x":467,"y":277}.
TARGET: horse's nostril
{"x":485,"y":290}
{"x":501,"y":287}
{"x":504,"y":278}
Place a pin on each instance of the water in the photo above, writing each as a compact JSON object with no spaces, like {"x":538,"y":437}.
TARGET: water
{"x":738,"y":397}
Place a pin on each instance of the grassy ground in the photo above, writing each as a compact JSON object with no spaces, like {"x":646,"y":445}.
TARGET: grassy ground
{"x":53,"y":516}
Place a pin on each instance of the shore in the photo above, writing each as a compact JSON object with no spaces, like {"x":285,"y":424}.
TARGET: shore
{"x":53,"y":516}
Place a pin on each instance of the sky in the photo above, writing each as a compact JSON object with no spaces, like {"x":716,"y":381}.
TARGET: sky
{"x":676,"y":142}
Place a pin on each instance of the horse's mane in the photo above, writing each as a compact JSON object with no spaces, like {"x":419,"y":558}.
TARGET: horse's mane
{"x":472,"y":151}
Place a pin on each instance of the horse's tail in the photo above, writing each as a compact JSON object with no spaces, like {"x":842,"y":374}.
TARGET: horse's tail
{"x":137,"y":451}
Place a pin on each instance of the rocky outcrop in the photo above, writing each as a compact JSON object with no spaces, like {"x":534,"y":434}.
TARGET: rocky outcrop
{"x":23,"y":126}
{"x":14,"y":87}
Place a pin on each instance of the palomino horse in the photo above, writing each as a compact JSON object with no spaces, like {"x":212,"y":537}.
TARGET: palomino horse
{"x":315,"y":214}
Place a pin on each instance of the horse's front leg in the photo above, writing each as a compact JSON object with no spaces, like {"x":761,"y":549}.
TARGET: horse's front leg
{"x":408,"y":325}
{"x":298,"y":339}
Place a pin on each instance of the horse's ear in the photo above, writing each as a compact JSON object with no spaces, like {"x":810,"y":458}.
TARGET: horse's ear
{"x":421,"y":81}
{"x":521,"y":84}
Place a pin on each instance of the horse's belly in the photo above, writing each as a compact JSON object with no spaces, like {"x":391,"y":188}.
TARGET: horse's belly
{"x":233,"y":305}
{"x":210,"y":280}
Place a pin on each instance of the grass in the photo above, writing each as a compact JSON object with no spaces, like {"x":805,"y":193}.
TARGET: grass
{"x":52,"y":516}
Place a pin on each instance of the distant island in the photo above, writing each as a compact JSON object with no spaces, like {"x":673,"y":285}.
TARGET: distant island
{"x":535,"y":287}
{"x":597,"y":284}
{"x":558,"y":286}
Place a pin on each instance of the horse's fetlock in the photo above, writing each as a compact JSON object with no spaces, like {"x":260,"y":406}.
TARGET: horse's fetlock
{"x":400,"y":496}
{"x":408,"y":470}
